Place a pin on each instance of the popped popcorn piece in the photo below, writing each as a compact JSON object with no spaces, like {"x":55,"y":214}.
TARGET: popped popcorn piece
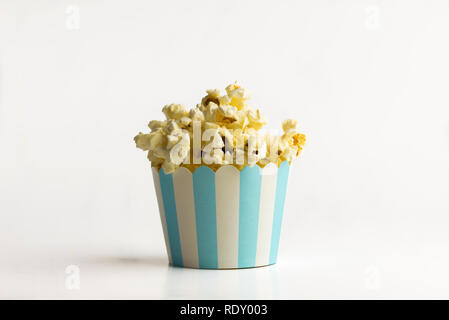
{"x":237,"y":95}
{"x":224,"y":100}
{"x":289,"y":124}
{"x":155,"y":124}
{"x":149,"y":141}
{"x":168,"y":166}
{"x":174,"y":111}
{"x":211,"y":112}
{"x":235,"y":139}
{"x":255,"y":119}
{"x":227,"y":110}
{"x":184,"y":121}
{"x":196,"y":115}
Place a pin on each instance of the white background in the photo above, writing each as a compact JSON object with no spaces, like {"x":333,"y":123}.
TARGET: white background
{"x":366,"y":214}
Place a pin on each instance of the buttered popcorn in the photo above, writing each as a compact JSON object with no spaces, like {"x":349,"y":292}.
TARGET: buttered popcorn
{"x":221,"y":130}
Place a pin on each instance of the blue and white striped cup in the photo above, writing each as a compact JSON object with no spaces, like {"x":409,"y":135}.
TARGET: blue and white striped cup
{"x":223,"y":219}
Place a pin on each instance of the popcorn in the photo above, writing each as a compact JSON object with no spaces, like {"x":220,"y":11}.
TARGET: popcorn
{"x":149,"y":141}
{"x":172,"y":140}
{"x":174,"y":111}
{"x":211,"y":112}
{"x":196,"y":115}
{"x":211,"y":125}
{"x":161,"y":152}
{"x":142,"y":141}
{"x":168,"y":166}
{"x":184,"y":122}
{"x":155,"y":161}
{"x":155,"y":124}
{"x":255,"y":119}
{"x":212,"y":96}
{"x":224,"y":100}
{"x":288,"y":154}
{"x":234,"y":140}
{"x":172,"y":126}
{"x":238,"y":95}
{"x":289,"y":124}
{"x":215,"y":158}
{"x":241,"y":121}
{"x":227,"y":111}
{"x":179,"y":152}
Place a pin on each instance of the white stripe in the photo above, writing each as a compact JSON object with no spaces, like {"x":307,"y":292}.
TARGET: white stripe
{"x":227,"y":188}
{"x":185,"y":209}
{"x":157,"y":188}
{"x":266,"y":211}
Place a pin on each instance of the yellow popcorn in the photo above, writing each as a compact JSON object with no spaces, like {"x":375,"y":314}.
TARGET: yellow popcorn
{"x":255,"y":119}
{"x":289,"y":154}
{"x":227,"y":111}
{"x":180,"y":151}
{"x":149,"y":141}
{"x":172,"y":140}
{"x":196,"y":115}
{"x":155,"y":124}
{"x":241,"y":121}
{"x":213,"y":93}
{"x":155,"y":161}
{"x":142,"y":141}
{"x":172,"y":126}
{"x":174,"y":111}
{"x":234,"y":140}
{"x":289,"y":124}
{"x":184,"y":121}
{"x":211,"y":112}
{"x":211,"y":125}
{"x":237,"y":95}
{"x":227,"y":135}
{"x":212,"y":150}
{"x":161,"y":152}
{"x":169,"y":166}
{"x":215,"y":158}
{"x":212,"y":96}
{"x":228,"y":158}
{"x":224,"y":100}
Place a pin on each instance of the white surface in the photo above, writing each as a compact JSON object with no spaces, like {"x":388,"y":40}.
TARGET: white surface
{"x":367,"y":206}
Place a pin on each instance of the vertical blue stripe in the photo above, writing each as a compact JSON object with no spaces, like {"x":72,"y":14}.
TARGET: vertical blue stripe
{"x":281,"y":188}
{"x":206,"y":219}
{"x":250,"y":184}
{"x":168,"y":197}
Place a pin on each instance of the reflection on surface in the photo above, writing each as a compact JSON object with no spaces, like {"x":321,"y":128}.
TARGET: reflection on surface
{"x":252,"y":283}
{"x":151,"y":277}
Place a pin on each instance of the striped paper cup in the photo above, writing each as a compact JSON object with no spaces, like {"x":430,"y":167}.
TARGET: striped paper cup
{"x":223,"y":219}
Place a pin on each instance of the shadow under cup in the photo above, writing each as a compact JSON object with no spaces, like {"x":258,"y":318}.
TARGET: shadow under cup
{"x":224,"y":219}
